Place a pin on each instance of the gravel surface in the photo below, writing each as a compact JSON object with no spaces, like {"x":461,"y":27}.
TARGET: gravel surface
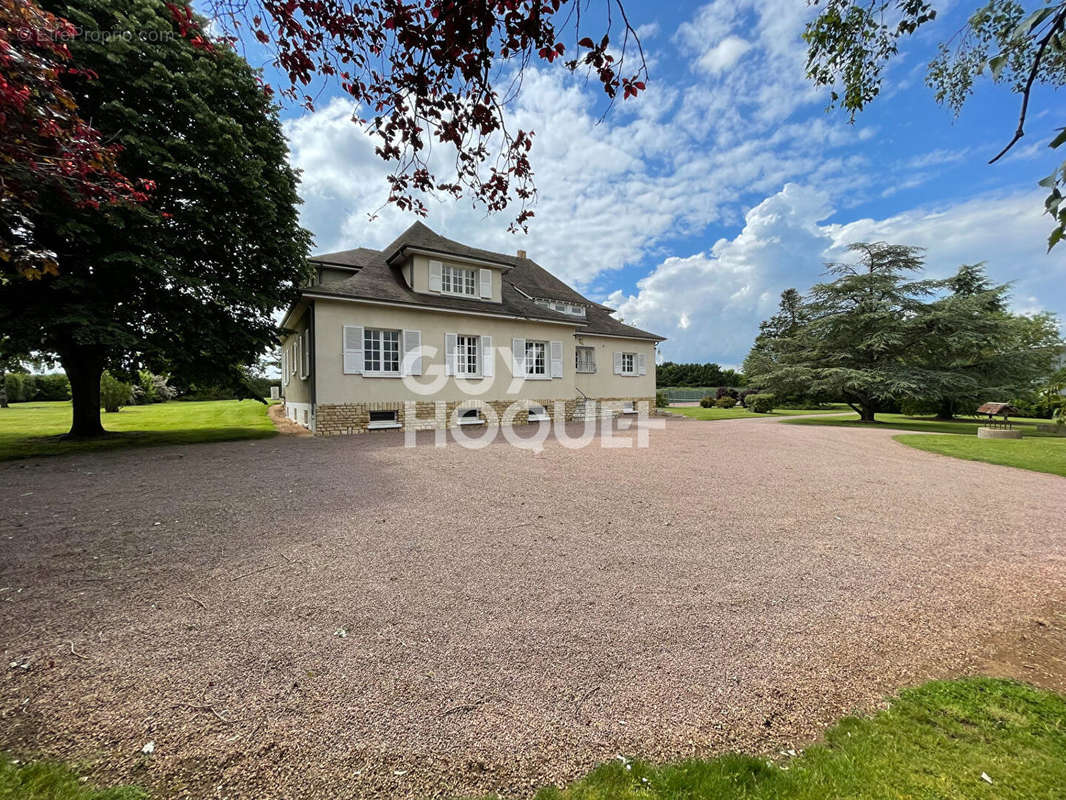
{"x":319,"y":618}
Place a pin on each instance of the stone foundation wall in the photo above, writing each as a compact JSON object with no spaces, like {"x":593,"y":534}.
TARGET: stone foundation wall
{"x":425,"y":415}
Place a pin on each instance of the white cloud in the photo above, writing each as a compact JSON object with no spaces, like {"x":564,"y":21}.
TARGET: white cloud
{"x":710,"y":304}
{"x":686,"y":154}
{"x":725,"y":54}
{"x":610,"y":191}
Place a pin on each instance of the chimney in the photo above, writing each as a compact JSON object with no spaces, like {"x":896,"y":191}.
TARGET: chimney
{"x":521,"y":253}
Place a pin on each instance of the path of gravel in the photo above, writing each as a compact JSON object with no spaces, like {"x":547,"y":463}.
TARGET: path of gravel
{"x":509,"y":619}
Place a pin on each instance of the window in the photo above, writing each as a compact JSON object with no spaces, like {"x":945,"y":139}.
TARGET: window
{"x":470,"y":416}
{"x":538,"y":414}
{"x":629,"y":364}
{"x":572,"y":309}
{"x":457,"y":280}
{"x":381,"y":352}
{"x":466,"y":355}
{"x":380,"y":420}
{"x":585,"y":359}
{"x":536,"y":358}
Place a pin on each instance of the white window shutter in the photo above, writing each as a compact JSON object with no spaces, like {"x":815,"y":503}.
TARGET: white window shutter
{"x":434,"y":275}
{"x":486,"y":283}
{"x":488,"y":357}
{"x":298,"y":354}
{"x":353,"y":349}
{"x":557,"y":360}
{"x":284,"y":365}
{"x":412,"y":352}
{"x":642,"y":364}
{"x":306,"y":366}
{"x":518,"y":357}
{"x":617,"y":363}
{"x":450,"y":341}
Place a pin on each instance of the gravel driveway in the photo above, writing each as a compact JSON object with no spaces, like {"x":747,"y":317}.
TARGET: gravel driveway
{"x":329,"y":618}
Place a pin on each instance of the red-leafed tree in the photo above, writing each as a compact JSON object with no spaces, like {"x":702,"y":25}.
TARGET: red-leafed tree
{"x":46,"y":146}
{"x":439,"y":71}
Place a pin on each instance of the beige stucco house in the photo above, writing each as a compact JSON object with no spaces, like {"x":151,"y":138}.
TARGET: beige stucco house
{"x":429,"y":333}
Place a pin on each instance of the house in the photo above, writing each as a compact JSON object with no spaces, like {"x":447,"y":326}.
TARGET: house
{"x":429,"y":333}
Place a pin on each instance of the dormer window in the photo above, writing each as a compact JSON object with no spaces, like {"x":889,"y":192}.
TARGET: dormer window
{"x":573,"y":309}
{"x":458,"y":280}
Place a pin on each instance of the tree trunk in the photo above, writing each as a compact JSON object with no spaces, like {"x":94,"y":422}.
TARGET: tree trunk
{"x":864,"y":408}
{"x":3,"y":388}
{"x":867,"y":411}
{"x":946,"y":409}
{"x":84,"y":371}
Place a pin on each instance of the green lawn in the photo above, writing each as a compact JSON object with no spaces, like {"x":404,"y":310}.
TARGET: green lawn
{"x":35,"y":429}
{"x":1038,"y":454}
{"x":1038,"y":451}
{"x":45,"y":780}
{"x":933,"y":742}
{"x":696,"y":412}
{"x":923,"y":424}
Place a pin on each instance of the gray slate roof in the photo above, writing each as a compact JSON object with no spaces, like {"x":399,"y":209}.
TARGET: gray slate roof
{"x":379,"y":278}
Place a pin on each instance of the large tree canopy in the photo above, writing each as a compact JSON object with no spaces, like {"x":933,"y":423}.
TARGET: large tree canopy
{"x":441,"y":72}
{"x":1013,"y":44}
{"x":47,"y":147}
{"x":186,"y":283}
{"x":874,"y":334}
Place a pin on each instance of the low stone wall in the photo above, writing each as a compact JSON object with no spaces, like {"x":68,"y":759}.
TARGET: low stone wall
{"x":425,"y":415}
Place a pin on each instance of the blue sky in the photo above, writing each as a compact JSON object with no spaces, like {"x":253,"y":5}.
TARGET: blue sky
{"x":692,"y":208}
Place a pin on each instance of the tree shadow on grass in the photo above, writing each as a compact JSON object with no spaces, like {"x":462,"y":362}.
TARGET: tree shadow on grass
{"x":14,"y":447}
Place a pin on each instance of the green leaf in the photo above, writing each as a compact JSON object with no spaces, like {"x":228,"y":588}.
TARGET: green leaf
{"x":996,"y":65}
{"x":1026,"y":26}
{"x":1059,"y":139}
{"x":1055,"y":237}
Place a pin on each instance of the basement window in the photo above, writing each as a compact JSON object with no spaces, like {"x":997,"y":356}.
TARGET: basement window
{"x":382,"y":420}
{"x":470,"y":417}
{"x":538,"y":414}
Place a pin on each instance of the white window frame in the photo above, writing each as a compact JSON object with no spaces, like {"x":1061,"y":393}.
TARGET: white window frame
{"x":384,"y":424}
{"x":632,"y":371}
{"x":466,"y":278}
{"x":532,"y":346}
{"x":305,"y":354}
{"x":467,"y":356}
{"x":378,"y":334}
{"x":592,"y":360}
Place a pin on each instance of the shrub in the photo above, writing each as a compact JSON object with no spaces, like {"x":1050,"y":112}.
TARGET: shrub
{"x":761,"y":403}
{"x":725,"y":391}
{"x":114,"y":393}
{"x":152,"y":388}
{"x":707,"y":402}
{"x":55,"y":386}
{"x":21,"y":388}
{"x":725,"y":402}
{"x":661,"y":400}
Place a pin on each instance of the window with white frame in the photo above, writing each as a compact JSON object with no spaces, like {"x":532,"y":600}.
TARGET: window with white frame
{"x":458,"y":280}
{"x":629,"y":363}
{"x":381,"y":352}
{"x":572,"y":309}
{"x":466,"y":355}
{"x":537,"y":358}
{"x":585,"y":359}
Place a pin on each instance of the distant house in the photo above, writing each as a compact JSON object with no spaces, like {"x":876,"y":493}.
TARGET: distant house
{"x":431,"y":333}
